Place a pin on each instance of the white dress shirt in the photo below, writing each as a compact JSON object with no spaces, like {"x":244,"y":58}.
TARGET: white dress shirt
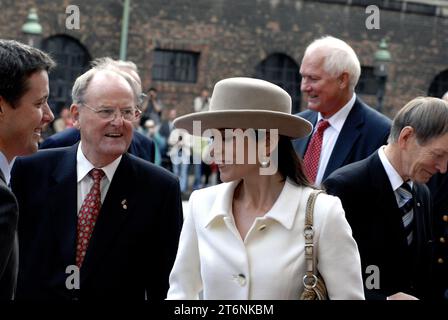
{"x":331,"y":135}
{"x":6,"y":167}
{"x":269,"y":263}
{"x":394,"y":178}
{"x":85,"y":181}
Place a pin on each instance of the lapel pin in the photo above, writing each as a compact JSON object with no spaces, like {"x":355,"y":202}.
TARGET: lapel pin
{"x":124,"y":204}
{"x":418,"y":204}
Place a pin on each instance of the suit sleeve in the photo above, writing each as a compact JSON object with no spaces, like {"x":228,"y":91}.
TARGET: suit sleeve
{"x":338,"y":257}
{"x":8,"y":225}
{"x":185,"y":279}
{"x":335,"y":186}
{"x":167,"y":242}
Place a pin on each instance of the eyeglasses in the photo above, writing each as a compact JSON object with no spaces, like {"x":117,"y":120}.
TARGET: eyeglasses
{"x":109,"y":113}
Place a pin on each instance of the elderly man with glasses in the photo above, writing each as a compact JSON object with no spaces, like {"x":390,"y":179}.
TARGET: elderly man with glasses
{"x":97,"y":222}
{"x":141,"y":146}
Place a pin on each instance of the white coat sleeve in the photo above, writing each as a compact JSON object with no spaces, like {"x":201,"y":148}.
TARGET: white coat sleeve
{"x":337,"y":252}
{"x":185,"y":278}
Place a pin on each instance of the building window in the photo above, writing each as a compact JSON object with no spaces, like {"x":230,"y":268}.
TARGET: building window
{"x":281,"y":70}
{"x":439,"y":85}
{"x":367,"y":83}
{"x":174,"y":65}
{"x":72,"y":60}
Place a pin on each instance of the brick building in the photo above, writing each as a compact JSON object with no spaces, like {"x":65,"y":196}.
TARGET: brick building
{"x":181,"y":46}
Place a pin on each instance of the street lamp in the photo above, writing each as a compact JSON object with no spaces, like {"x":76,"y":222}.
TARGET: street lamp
{"x":32,"y":28}
{"x":382,"y":60}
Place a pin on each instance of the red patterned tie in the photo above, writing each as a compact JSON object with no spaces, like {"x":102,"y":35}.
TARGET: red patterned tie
{"x":312,"y":154}
{"x":87,"y":215}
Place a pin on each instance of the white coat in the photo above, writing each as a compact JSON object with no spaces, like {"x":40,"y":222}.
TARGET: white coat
{"x":269,"y":263}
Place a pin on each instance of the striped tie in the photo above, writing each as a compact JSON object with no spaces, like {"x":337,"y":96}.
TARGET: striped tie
{"x":406,"y":205}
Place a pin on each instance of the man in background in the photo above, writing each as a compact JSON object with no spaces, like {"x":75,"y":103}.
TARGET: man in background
{"x":346,"y":129}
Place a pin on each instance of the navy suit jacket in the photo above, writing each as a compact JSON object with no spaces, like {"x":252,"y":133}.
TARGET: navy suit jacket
{"x":9,"y":216}
{"x":364,"y":131}
{"x":376,"y":221}
{"x":133,"y":245}
{"x":141,"y":146}
{"x":439,"y":193}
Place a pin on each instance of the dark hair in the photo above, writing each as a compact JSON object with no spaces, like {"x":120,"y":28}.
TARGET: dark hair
{"x":18,"y":62}
{"x":289,"y":164}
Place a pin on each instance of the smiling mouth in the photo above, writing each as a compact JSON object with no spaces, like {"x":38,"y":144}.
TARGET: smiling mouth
{"x":114,"y":135}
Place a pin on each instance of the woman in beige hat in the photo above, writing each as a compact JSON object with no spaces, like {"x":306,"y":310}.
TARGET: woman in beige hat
{"x":244,"y":239}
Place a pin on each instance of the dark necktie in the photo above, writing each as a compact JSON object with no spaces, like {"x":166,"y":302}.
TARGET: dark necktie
{"x":87,"y":216}
{"x":406,"y":205}
{"x":312,"y":154}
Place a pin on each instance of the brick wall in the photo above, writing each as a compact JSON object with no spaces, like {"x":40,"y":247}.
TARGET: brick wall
{"x":233,"y":36}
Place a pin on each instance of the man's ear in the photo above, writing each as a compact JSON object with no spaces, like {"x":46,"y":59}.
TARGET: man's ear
{"x":344,"y":80}
{"x":74,"y":110}
{"x":406,"y":135}
{"x":3,"y":108}
{"x":2,"y":102}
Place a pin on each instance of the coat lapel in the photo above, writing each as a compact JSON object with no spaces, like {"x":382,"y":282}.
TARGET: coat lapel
{"x":117,"y":207}
{"x":63,"y":195}
{"x":346,"y":140}
{"x":300,"y":145}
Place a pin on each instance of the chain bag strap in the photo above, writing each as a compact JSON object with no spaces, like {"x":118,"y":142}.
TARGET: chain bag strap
{"x":314,"y":285}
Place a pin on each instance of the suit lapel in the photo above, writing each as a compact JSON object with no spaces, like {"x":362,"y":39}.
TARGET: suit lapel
{"x":346,"y":140}
{"x":63,"y":195}
{"x":116,"y":208}
{"x":300,"y":145}
{"x":389,"y":212}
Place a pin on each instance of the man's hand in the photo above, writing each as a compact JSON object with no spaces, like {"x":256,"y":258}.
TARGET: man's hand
{"x":401,"y":296}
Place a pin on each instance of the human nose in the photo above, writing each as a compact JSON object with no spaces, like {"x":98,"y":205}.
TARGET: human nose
{"x":443,"y":166}
{"x":304,"y":86}
{"x":48,"y":115}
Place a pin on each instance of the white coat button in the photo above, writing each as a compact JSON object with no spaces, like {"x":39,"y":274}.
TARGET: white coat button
{"x":240,"y":279}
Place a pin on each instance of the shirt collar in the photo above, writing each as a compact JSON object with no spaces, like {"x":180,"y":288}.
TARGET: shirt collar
{"x":283,"y":211}
{"x":395,"y":179}
{"x":6,"y":167}
{"x":84,"y":166}
{"x":337,"y":120}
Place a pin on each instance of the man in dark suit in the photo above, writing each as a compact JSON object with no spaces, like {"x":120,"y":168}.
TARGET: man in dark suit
{"x":116,"y":241}
{"x":23,"y":114}
{"x":388,"y":204}
{"x":349,"y":129}
{"x":141,"y":146}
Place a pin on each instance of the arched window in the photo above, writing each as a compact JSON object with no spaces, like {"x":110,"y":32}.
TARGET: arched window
{"x":280,"y":69}
{"x":439,"y":85}
{"x":72,"y":60}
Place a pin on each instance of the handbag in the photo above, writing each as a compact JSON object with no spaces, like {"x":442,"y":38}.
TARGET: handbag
{"x":313,"y":283}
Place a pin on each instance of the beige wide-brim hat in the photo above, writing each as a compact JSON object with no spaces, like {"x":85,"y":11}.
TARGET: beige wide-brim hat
{"x":248,"y":103}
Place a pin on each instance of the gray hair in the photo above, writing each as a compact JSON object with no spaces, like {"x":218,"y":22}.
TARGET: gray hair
{"x":128,"y":67}
{"x":339,"y":57}
{"x":428,"y":117}
{"x":105,"y":62}
{"x":82,"y":83}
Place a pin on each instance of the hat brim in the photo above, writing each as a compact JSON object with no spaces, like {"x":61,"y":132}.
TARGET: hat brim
{"x":288,"y":125}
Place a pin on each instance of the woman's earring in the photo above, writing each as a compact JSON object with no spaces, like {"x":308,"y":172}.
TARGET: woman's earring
{"x":264,"y":163}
